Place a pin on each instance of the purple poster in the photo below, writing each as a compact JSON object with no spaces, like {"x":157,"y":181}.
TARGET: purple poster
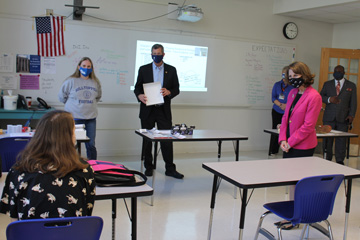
{"x":29,"y":82}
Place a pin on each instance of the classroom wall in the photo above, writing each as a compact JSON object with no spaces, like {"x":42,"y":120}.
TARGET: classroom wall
{"x":346,"y":35}
{"x":241,"y":20}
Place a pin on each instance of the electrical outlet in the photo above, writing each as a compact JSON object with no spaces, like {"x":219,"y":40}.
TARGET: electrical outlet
{"x":49,"y":12}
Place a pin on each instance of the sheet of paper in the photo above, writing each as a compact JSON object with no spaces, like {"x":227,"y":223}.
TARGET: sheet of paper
{"x":152,"y":92}
{"x":8,"y":82}
{"x":6,"y":62}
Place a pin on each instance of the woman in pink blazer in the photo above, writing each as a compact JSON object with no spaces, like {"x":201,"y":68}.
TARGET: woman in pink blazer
{"x":297,"y":136}
{"x":297,"y":132}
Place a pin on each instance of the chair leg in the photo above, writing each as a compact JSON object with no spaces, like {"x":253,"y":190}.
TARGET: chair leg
{"x":329,"y":230}
{"x":304,"y":230}
{"x":279,"y":232}
{"x":260,"y":223}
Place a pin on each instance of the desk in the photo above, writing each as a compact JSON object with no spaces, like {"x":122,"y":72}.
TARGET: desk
{"x":20,"y":116}
{"x":198,"y":135}
{"x":332,"y":134}
{"x":113,"y":193}
{"x":273,"y":173}
{"x":78,"y":141}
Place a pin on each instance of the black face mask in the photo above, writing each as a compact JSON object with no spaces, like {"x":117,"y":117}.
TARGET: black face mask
{"x":338,"y":75}
{"x":296,"y":82}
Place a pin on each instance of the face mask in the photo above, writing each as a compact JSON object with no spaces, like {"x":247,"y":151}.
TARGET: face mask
{"x":283,"y":75}
{"x":338,"y":75}
{"x":296,"y":82}
{"x":157,"y":58}
{"x":85,"y":71}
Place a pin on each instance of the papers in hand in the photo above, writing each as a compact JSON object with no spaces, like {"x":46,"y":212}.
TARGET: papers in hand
{"x":152,"y":93}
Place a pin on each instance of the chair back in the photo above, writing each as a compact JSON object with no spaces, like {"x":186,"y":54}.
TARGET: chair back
{"x":314,"y":198}
{"x":9,"y":149}
{"x":71,"y":228}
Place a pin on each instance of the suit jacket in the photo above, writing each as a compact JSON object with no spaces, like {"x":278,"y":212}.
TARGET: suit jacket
{"x":171,"y":83}
{"x":347,"y":106}
{"x":302,"y":120}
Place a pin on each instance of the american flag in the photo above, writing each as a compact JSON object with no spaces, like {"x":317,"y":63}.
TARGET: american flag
{"x":50,"y":36}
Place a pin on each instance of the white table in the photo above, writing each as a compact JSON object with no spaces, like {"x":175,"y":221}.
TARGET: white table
{"x":272,"y":173}
{"x":332,"y":134}
{"x":113,"y":193}
{"x":199,"y":136}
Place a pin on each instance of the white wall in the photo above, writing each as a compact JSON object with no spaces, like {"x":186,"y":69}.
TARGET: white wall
{"x":235,"y":19}
{"x":346,"y":35}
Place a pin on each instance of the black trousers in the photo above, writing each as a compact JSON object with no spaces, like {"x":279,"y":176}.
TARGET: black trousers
{"x":274,"y":140}
{"x":340,"y":143}
{"x":157,"y":116}
{"x":297,"y":153}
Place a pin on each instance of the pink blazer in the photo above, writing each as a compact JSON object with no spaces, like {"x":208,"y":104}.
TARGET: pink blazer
{"x":302,"y":120}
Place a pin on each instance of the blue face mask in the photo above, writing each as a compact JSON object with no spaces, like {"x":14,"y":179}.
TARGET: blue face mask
{"x":85,"y":71}
{"x":157,"y":58}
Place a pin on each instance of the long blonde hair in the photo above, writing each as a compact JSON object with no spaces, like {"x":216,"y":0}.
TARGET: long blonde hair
{"x":92,"y":75}
{"x":51,"y":149}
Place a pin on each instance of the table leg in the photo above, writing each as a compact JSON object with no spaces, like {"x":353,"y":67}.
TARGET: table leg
{"x":347,"y":206}
{"x":242,"y":214}
{"x":133,"y":218}
{"x":142,"y":159}
{"x":113,"y":215}
{"x":219,"y":150}
{"x":348,"y":151}
{"x":236,"y":159}
{"x":269,"y":152}
{"x":154,"y":172}
{"x":78,"y":145}
{"x":212,"y":205}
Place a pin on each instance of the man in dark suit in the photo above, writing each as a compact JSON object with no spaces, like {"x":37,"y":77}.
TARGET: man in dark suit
{"x":339,"y":95}
{"x":159,"y":114}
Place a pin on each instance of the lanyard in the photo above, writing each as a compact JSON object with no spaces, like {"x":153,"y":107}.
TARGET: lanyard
{"x":283,"y":88}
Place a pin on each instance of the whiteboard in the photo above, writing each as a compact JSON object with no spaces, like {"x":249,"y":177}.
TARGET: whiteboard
{"x":239,"y":72}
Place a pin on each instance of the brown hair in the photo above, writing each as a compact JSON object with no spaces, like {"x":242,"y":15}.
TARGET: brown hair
{"x":286,"y":71}
{"x":302,"y":69}
{"x":51,"y":149}
{"x":92,"y":75}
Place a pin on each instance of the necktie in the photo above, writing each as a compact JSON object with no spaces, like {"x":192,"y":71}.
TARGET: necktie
{"x":338,"y":88}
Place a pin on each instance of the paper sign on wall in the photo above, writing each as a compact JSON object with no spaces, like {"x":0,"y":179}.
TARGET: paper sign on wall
{"x":29,"y":82}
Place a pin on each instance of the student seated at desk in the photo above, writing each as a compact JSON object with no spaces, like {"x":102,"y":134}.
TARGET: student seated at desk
{"x":49,"y":180}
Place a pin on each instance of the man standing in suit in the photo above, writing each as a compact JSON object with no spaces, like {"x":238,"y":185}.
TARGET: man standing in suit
{"x":158,"y":71}
{"x":339,"y":95}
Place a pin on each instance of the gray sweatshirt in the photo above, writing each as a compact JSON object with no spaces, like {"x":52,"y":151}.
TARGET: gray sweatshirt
{"x":80,"y":97}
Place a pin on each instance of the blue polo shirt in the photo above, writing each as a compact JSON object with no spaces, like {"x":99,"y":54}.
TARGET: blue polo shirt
{"x":280,"y":92}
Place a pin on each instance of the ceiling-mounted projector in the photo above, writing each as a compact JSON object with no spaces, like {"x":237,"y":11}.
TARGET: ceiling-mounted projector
{"x":190,"y":13}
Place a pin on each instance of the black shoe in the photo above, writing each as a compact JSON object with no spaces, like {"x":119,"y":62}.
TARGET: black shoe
{"x":148,"y":172}
{"x":174,"y":174}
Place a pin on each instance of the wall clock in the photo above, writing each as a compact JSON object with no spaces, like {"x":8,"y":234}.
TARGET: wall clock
{"x":290,"y":30}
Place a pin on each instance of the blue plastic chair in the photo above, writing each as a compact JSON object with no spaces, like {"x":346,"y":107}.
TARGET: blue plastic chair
{"x":71,"y":228}
{"x":9,"y":149}
{"x":313,"y":202}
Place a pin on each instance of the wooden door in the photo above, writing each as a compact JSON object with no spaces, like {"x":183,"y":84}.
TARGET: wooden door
{"x":350,"y":59}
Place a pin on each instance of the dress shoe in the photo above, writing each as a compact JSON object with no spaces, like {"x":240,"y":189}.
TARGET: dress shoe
{"x":148,"y":172}
{"x":174,"y":174}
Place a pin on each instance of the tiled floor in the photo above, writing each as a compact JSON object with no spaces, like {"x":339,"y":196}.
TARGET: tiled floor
{"x":182,"y":207}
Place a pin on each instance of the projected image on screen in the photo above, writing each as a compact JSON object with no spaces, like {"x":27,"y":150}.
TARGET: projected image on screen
{"x":189,"y":61}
